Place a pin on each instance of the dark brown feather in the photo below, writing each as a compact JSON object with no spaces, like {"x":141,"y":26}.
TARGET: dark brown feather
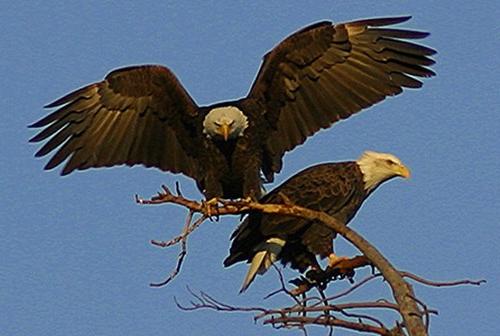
{"x":315,"y":77}
{"x":353,"y":65}
{"x":335,"y":188}
{"x":124,"y":119}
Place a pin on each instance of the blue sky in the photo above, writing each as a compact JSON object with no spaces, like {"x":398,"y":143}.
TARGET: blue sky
{"x":75,"y":253}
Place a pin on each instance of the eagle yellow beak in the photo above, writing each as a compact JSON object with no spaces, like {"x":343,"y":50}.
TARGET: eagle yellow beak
{"x":403,"y":171}
{"x":224,"y":131}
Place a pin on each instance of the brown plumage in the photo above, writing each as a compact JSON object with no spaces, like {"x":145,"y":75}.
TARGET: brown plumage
{"x":338,"y":189}
{"x":319,"y":75}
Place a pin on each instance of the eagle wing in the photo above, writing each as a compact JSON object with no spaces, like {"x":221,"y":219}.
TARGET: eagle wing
{"x":327,"y":72}
{"x":136,"y":115}
{"x":328,"y":187}
{"x":331,"y":188}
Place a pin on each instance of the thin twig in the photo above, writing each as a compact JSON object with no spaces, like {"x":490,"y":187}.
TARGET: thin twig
{"x":356,"y":286}
{"x":177,"y":239}
{"x":283,"y":286}
{"x":206,"y":301}
{"x":182,"y":253}
{"x":442,"y":283}
{"x":178,"y":189}
{"x":426,"y":311}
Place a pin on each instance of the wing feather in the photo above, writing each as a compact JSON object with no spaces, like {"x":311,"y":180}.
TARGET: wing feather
{"x":334,"y":71}
{"x":334,"y":188}
{"x":136,"y":115}
{"x":406,"y":47}
{"x":67,"y":149}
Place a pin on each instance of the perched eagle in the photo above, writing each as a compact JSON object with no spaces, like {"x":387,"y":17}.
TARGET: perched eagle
{"x":317,"y":76}
{"x":338,"y":189}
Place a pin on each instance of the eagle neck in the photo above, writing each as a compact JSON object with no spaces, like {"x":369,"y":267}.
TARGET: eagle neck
{"x":372,"y":178}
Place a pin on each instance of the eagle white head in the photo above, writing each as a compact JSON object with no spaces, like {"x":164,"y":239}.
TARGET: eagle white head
{"x":227,"y":122}
{"x":379,"y":167}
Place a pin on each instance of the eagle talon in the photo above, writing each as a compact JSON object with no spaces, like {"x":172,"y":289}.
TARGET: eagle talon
{"x":210,"y":207}
{"x":346,"y":268}
{"x":314,"y":278}
{"x":334,"y":260}
{"x":247,"y":200}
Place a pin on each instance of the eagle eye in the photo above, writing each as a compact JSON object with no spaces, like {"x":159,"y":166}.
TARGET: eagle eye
{"x":390,"y":162}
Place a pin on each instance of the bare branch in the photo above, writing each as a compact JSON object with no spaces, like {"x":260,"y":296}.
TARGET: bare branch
{"x":427,"y":319}
{"x":188,"y":228}
{"x":356,"y":286}
{"x":285,"y":318}
{"x":328,"y":321}
{"x":206,"y":301}
{"x":414,"y":313}
{"x":283,"y":288}
{"x":402,"y":291}
{"x":178,"y":189}
{"x":442,"y":283}
{"x":177,"y":239}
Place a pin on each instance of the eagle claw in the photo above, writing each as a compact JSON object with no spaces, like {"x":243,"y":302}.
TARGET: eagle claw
{"x":210,"y":207}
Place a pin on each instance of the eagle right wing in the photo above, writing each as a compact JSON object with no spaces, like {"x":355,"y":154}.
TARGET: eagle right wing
{"x":327,"y":72}
{"x":136,"y":115}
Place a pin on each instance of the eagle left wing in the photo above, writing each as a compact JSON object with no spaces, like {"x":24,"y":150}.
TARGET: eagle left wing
{"x":136,"y":115}
{"x":327,"y":72}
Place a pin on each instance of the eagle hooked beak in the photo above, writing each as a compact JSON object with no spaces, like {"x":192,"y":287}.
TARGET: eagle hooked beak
{"x":224,"y":131}
{"x":403,"y":171}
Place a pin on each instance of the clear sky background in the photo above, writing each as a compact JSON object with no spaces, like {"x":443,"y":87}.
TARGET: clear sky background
{"x":75,"y":257}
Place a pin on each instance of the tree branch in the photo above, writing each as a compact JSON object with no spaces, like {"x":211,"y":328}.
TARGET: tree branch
{"x":442,"y":283}
{"x":182,"y":254}
{"x":414,"y":313}
{"x":328,"y":321}
{"x":402,"y":291}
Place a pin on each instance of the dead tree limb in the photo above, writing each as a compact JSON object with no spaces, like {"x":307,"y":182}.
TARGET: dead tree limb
{"x":182,"y":253}
{"x":329,"y":321}
{"x":442,"y":283}
{"x":414,"y":313}
{"x":402,"y":291}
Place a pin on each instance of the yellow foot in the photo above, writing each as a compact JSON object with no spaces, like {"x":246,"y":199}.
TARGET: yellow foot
{"x":210,"y":207}
{"x":334,"y":260}
{"x":248,"y":199}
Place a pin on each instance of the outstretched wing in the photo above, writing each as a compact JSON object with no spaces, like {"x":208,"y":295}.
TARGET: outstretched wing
{"x":136,"y":115}
{"x":327,"y":72}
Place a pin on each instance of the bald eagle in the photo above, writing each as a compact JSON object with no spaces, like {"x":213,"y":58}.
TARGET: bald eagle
{"x":317,"y":76}
{"x":339,"y":189}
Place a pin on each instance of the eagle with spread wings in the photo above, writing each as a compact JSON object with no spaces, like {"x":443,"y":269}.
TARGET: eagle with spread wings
{"x":317,"y":76}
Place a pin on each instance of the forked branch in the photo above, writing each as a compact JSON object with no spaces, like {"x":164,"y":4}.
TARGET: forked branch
{"x":402,"y":291}
{"x":414,"y":313}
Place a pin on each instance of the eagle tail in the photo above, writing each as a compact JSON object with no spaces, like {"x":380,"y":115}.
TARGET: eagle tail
{"x":266,"y":255}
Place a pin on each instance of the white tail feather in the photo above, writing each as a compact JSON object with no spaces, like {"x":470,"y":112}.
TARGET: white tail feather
{"x":263,"y":259}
